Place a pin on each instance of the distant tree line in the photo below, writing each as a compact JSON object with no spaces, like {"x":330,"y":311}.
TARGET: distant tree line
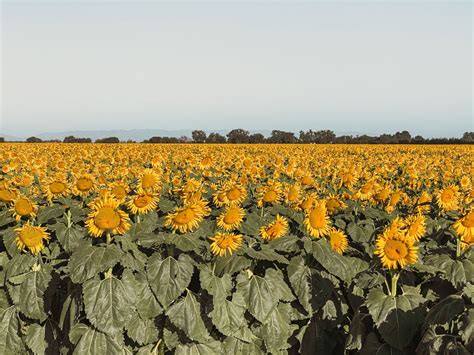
{"x":309,"y":137}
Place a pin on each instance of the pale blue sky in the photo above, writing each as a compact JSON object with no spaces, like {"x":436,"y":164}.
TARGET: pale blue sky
{"x":351,"y":66}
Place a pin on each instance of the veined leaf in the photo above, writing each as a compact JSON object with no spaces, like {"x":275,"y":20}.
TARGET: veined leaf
{"x":69,"y":237}
{"x":300,"y":277}
{"x":168,"y":278}
{"x":94,"y":342}
{"x":231,"y":264}
{"x":36,"y":338}
{"x":278,"y":329}
{"x":444,"y":311}
{"x":10,"y":341}
{"x":186,"y":315}
{"x":143,"y":331}
{"x":218,"y":287}
{"x":32,"y":292}
{"x":209,"y":348}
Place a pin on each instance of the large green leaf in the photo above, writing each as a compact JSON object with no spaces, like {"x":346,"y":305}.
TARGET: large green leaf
{"x":35,"y":338}
{"x":108,"y":303}
{"x":94,"y":342}
{"x":69,"y":237}
{"x":146,"y":303}
{"x":185,"y":242}
{"x":281,"y":290}
{"x":32,"y":291}
{"x":360,"y":233}
{"x":458,"y":272}
{"x":209,"y":348}
{"x":186,"y":315}
{"x":87,"y":261}
{"x":466,"y":329}
{"x":357,"y":332}
{"x":444,"y":310}
{"x":218,"y":287}
{"x":258,"y":294}
{"x":10,"y":341}
{"x":168,"y":278}
{"x":343,"y":267}
{"x":143,"y":331}
{"x":228,"y":317}
{"x":231,"y":264}
{"x":48,"y":213}
{"x":397,"y":318}
{"x":235,"y":346}
{"x":278,"y":329}
{"x":251,"y":225}
{"x":300,"y":277}
{"x":265,"y":254}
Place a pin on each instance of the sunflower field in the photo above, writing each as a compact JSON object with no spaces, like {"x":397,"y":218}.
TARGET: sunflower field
{"x":236,"y":249}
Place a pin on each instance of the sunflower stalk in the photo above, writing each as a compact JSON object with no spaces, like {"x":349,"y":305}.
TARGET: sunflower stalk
{"x":395,"y":277}
{"x":458,"y":247}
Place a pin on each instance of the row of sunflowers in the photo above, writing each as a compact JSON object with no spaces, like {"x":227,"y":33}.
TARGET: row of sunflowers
{"x":251,"y":249}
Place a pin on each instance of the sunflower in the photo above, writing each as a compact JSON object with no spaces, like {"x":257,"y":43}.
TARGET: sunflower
{"x":337,"y":240}
{"x":224,"y":243}
{"x":448,"y":198}
{"x":106,"y":216}
{"x":276,"y":229}
{"x":84,"y":185}
{"x":464,"y":227}
{"x":23,"y":207}
{"x":142,"y":203}
{"x":235,"y":194}
{"x":119,"y":190}
{"x":8,"y":195}
{"x":55,"y":188}
{"x":31,"y":237}
{"x":269,"y":194}
{"x":309,"y":202}
{"x":317,"y":221}
{"x":395,"y":199}
{"x":231,"y":218}
{"x":382,"y":195}
{"x":422,"y":204}
{"x":149,"y":180}
{"x":334,"y":204}
{"x":415,"y":226}
{"x":395,"y":249}
{"x":292,"y":194}
{"x":366,"y":191}
{"x":185,"y":219}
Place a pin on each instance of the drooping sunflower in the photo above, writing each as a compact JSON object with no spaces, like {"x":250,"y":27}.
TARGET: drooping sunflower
{"x":317,"y":222}
{"x":31,"y":237}
{"x":395,"y":199}
{"x":415,"y":226}
{"x":224,"y":243}
{"x":184,"y":219}
{"x":423,"y":203}
{"x":231,"y":218}
{"x":8,"y":195}
{"x":276,"y":229}
{"x":395,"y":249}
{"x":119,"y":190}
{"x":334,"y":204}
{"x":142,"y":203}
{"x":448,"y":198}
{"x":23,"y":207}
{"x":337,"y":240}
{"x":464,"y":227}
{"x":107,"y":217}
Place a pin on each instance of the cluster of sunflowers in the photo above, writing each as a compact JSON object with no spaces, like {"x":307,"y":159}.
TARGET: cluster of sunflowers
{"x":115,"y":182}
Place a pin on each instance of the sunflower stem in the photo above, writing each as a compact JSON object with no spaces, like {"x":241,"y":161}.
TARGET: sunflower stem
{"x":109,"y":238}
{"x":261,"y":213}
{"x":395,"y":276}
{"x":458,"y":247}
{"x":138,"y":218}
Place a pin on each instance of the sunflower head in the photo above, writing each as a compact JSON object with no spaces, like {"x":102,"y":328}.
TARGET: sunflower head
{"x":231,"y":218}
{"x":142,"y":203}
{"x":464,"y":227}
{"x":448,"y":198}
{"x":185,"y":219}
{"x":337,"y":240}
{"x":317,"y":221}
{"x":107,"y":217}
{"x":23,"y":207}
{"x":31,"y":237}
{"x":276,"y":229}
{"x":84,"y":185}
{"x":415,"y":226}
{"x":223,"y":243}
{"x":395,"y":249}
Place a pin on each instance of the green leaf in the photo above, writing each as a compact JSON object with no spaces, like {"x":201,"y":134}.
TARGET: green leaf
{"x":185,"y":242}
{"x":108,"y":304}
{"x":186,"y":315}
{"x":445,"y":310}
{"x":278,"y":329}
{"x":19,"y":264}
{"x":357,"y":332}
{"x":32,"y":292}
{"x":458,"y":272}
{"x":360,"y":234}
{"x":265,"y":254}
{"x":48,"y":213}
{"x":10,"y":341}
{"x":251,"y":225}
{"x":372,"y":345}
{"x":228,"y":317}
{"x":466,"y":329}
{"x":5,"y":217}
{"x":397,"y":318}
{"x":281,"y":289}
{"x":210,"y":348}
{"x":287,"y":244}
{"x":143,"y":331}
{"x":146,"y":303}
{"x":87,"y":261}
{"x":258,"y":295}
{"x":300,"y":277}
{"x":69,"y":237}
{"x":231,"y":264}
{"x":343,"y":267}
{"x":218,"y":287}
{"x":94,"y":342}
{"x":35,"y":338}
{"x":9,"y":240}
{"x":169,"y":278}
{"x":237,"y":347}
